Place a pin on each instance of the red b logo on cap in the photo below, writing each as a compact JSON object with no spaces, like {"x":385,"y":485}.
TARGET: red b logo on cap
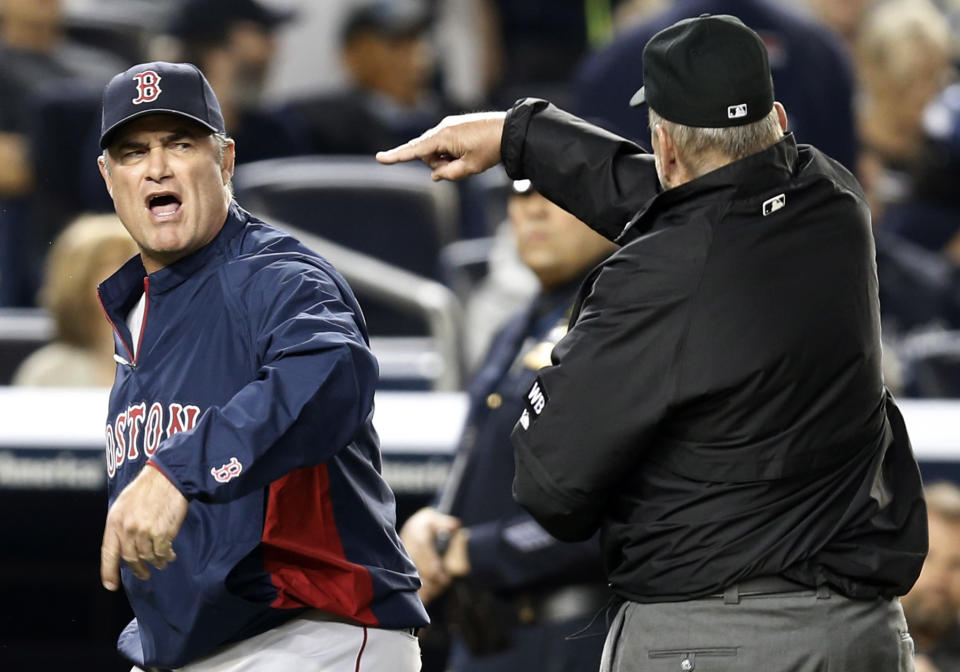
{"x":148,"y":87}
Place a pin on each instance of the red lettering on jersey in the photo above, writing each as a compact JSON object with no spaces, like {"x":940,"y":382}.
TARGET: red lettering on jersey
{"x":135,"y":416}
{"x":111,"y":453}
{"x":192,"y":412}
{"x":120,"y":436}
{"x":182,"y":418}
{"x":153,"y":431}
{"x":174,"y":425}
{"x":148,"y":87}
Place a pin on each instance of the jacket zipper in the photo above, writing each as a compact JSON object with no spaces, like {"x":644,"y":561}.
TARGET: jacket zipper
{"x":132,"y":362}
{"x":143,"y":322}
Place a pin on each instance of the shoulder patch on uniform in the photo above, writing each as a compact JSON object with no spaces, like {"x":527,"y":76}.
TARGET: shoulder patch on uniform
{"x":534,"y":403}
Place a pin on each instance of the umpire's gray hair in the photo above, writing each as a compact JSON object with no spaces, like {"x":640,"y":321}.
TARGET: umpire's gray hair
{"x":695,"y":145}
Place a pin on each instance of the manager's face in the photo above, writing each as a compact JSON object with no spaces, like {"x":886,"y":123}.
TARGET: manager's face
{"x":168,"y":179}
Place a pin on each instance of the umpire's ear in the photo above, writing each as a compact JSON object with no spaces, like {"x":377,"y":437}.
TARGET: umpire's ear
{"x":105,"y":173}
{"x":781,"y":116}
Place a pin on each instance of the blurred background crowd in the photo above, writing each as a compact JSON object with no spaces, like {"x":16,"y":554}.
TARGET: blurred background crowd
{"x":311,"y":90}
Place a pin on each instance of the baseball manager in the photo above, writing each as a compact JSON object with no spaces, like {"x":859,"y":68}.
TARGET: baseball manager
{"x":717,"y":409}
{"x":242,"y":462}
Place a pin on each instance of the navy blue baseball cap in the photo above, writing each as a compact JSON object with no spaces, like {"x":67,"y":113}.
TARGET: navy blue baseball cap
{"x":391,"y":18}
{"x":711,"y":71}
{"x":159,"y":87}
{"x":212,"y":20}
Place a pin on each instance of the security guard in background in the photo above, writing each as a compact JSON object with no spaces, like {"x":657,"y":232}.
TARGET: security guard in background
{"x":515,"y":594}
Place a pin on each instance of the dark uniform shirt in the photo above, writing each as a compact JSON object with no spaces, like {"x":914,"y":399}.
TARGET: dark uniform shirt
{"x":717,"y":408}
{"x":508,"y":549}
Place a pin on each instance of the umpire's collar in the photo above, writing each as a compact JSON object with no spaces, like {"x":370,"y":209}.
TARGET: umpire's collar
{"x":750,"y":175}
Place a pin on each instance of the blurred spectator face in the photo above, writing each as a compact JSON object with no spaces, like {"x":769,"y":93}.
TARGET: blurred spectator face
{"x":88,"y":251}
{"x":35,"y":12}
{"x":232,"y":41}
{"x":941,"y":570}
{"x":904,"y":60}
{"x":398,"y":66}
{"x":251,"y":49}
{"x":554,"y":244}
{"x":843,"y":16}
{"x":932,"y":604}
{"x":168,"y":185}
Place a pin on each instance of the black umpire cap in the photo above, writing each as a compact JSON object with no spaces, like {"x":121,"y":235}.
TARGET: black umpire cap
{"x":709,"y":72}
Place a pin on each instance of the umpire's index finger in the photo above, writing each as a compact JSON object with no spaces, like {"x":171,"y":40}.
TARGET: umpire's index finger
{"x":415,"y":149}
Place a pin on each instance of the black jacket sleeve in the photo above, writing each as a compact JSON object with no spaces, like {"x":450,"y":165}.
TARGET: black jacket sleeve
{"x":584,"y":429}
{"x":600,"y":177}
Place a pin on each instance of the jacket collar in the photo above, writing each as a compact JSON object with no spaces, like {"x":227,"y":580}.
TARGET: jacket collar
{"x":176,"y":273}
{"x":123,"y":288}
{"x":747,"y":176}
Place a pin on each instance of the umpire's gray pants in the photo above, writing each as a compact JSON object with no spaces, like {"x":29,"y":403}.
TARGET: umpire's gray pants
{"x":785,"y":632}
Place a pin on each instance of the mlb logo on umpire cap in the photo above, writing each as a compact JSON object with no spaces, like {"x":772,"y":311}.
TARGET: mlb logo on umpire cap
{"x":184,"y":92}
{"x":737,"y":111}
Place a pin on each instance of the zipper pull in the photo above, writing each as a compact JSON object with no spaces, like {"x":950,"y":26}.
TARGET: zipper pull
{"x":120,"y":360}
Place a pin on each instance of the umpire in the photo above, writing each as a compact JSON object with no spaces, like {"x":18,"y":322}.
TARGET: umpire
{"x":717,"y":409}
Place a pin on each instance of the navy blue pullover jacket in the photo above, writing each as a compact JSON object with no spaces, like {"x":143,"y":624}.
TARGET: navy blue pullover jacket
{"x":252,"y":390}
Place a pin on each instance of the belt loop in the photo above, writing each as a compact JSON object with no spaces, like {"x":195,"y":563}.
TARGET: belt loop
{"x":823,"y":592}
{"x":731,"y":595}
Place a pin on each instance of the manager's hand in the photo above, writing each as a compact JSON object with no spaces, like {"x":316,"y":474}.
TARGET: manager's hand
{"x":141,"y":526}
{"x":456,"y":148}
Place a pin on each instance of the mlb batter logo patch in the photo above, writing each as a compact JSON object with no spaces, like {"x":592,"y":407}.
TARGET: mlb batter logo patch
{"x":148,"y":87}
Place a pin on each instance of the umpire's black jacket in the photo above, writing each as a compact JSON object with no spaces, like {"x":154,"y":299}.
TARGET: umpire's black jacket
{"x":717,"y":409}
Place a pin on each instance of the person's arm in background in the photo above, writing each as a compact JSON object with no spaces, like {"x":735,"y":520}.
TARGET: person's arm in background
{"x":501,"y":554}
{"x":511,"y":553}
{"x":600,"y":177}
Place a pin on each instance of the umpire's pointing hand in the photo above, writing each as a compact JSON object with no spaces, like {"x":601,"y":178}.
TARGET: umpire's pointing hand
{"x":141,"y":526}
{"x":456,"y":148}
